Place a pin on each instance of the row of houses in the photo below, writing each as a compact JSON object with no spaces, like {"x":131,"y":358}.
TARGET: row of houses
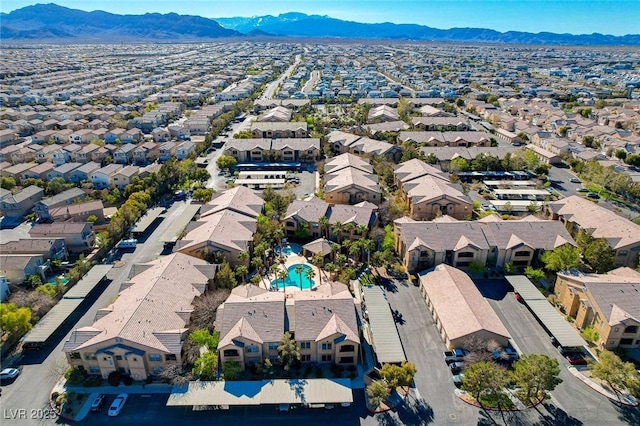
{"x":141,"y":153}
{"x":342,"y":142}
{"x":349,"y":179}
{"x":263,"y":149}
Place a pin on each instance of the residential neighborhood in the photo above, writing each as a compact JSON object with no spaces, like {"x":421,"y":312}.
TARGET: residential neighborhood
{"x":257,"y":229}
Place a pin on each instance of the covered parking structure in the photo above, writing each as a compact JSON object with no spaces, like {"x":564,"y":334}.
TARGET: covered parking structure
{"x":180,"y":223}
{"x":383,"y":333}
{"x":225,"y":394}
{"x":145,"y":221}
{"x":60,"y":313}
{"x":546,"y":314}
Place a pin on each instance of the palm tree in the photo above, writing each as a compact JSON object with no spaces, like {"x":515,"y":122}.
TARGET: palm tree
{"x":317,"y":259}
{"x":273,"y":270}
{"x":299,"y":269}
{"x":337,"y":231}
{"x":362,"y":230}
{"x":335,"y":248}
{"x":331,"y":269}
{"x":283,"y":274}
{"x":310,"y":274}
{"x":354,"y":248}
{"x":243,"y":256}
{"x":369,"y":246}
{"x":349,"y":227}
{"x":242,"y":271}
{"x":288,"y":351}
{"x":256,"y":262}
{"x":323,"y":221}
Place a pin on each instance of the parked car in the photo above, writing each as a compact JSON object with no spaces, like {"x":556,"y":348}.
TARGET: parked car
{"x":593,"y":196}
{"x":8,"y":374}
{"x":457,"y":379}
{"x":575,"y":180}
{"x":126,"y":244}
{"x":117,"y":404}
{"x":582,"y":189}
{"x":455,"y":355}
{"x":456,"y":367}
{"x":575,"y":358}
{"x":505,"y":354}
{"x":98,"y":402}
{"x":518,"y":297}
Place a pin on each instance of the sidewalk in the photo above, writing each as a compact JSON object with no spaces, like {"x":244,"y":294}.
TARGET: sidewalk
{"x":625,"y":398}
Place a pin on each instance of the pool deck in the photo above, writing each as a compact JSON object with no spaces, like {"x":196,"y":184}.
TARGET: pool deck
{"x":294,"y":259}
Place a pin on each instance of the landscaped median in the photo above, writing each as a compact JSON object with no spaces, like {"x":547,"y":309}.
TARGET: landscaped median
{"x":387,"y":387}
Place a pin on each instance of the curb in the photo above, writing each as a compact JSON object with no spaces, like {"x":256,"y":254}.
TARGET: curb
{"x":403,"y":396}
{"x":578,"y":375}
{"x":459,"y":394}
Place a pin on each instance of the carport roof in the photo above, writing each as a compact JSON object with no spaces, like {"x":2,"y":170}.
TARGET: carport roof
{"x":296,"y":391}
{"x":566,"y":335}
{"x":386,"y":341}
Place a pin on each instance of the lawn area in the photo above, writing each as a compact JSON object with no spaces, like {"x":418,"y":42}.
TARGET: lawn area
{"x":68,"y":404}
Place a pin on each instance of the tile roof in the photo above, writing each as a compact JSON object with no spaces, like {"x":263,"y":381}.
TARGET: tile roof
{"x":348,"y":177}
{"x":347,"y":160}
{"x":460,"y":306}
{"x":224,"y":229}
{"x":154,"y":308}
{"x":598,"y":221}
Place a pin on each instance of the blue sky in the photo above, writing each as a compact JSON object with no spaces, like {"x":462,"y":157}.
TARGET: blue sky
{"x":615,"y":17}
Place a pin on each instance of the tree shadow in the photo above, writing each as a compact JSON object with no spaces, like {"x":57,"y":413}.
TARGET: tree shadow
{"x":389,"y":285}
{"x":415,"y":411}
{"x":628,"y":414}
{"x":555,"y":417}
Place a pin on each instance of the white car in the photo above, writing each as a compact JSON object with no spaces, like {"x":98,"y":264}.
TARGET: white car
{"x":117,"y":404}
{"x":8,"y":374}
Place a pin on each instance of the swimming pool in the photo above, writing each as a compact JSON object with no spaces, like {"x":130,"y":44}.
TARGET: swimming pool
{"x":293,"y":278}
{"x":289,"y":249}
{"x":63,"y":280}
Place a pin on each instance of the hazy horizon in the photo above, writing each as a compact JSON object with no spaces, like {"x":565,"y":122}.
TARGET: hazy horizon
{"x":567,"y":16}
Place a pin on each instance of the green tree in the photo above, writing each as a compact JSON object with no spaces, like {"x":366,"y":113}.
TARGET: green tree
{"x":484,"y":378}
{"x":302,"y":231}
{"x":288,"y":351}
{"x":243,"y":256}
{"x":590,"y":334}
{"x":226,"y":162}
{"x":458,"y":164}
{"x":534,"y":274}
{"x":34,"y":281}
{"x":535,"y":375}
{"x":15,"y":320}
{"x":299,"y":269}
{"x":310,"y":274}
{"x":8,"y":183}
{"x":378,"y":392}
{"x":57,"y":185}
{"x":92,"y":218}
{"x":242,"y":271}
{"x":206,"y":365}
{"x":231,"y":370}
{"x":203,"y":195}
{"x":331,"y":269}
{"x":612,"y":370}
{"x":202,"y":337}
{"x":600,"y":255}
{"x":530,"y":158}
{"x":388,"y":243}
{"x":477,"y":267}
{"x":398,"y":375}
{"x":561,"y":258}
{"x":225,"y":278}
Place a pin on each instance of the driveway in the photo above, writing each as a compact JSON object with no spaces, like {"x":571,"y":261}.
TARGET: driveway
{"x":434,"y":389}
{"x":572,"y":400}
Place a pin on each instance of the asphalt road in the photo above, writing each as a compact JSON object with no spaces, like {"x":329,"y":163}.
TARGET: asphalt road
{"x":30,"y":391}
{"x":574,"y":402}
{"x":271,"y":88}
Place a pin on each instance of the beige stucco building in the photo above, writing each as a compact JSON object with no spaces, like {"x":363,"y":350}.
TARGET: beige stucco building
{"x":323,"y":322}
{"x":608,"y":302}
{"x":143,"y":330}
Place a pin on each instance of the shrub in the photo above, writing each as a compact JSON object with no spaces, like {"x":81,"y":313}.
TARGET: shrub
{"x":127,"y":380}
{"x":75,"y":376}
{"x":114,"y":378}
{"x":55,"y":396}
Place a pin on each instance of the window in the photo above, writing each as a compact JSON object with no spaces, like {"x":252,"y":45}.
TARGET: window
{"x":155,"y":357}
{"x":90,"y":357}
{"x":94,"y":370}
{"x":346,"y":360}
{"x":522,"y":253}
{"x":325,"y":346}
{"x":305,"y":345}
{"x":290,"y":223}
{"x":424,"y":253}
{"x":75,"y":355}
{"x":170,"y":357}
{"x":465,"y":254}
{"x":626,"y":341}
{"x":118,"y":357}
{"x":631,"y":329}
{"x":305,"y":358}
{"x":252,"y":349}
{"x":273,"y":346}
{"x":230,"y":352}
{"x":326,"y":358}
{"x":622,"y":253}
{"x":347,"y":348}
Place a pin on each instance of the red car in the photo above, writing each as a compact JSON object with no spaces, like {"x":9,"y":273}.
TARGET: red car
{"x":518,"y":297}
{"x":575,"y":358}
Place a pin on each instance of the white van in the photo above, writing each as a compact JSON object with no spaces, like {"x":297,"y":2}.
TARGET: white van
{"x":125,"y":244}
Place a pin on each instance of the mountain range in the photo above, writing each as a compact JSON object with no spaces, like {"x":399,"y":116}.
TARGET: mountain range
{"x":55,"y":23}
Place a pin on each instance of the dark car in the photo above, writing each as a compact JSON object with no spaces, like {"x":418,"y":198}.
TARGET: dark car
{"x":575,"y":180}
{"x":575,"y":358}
{"x":455,"y":367}
{"x":98,"y":402}
{"x":593,"y":196}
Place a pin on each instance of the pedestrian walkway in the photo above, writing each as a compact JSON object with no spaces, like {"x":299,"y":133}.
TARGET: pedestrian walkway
{"x":622,"y":398}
